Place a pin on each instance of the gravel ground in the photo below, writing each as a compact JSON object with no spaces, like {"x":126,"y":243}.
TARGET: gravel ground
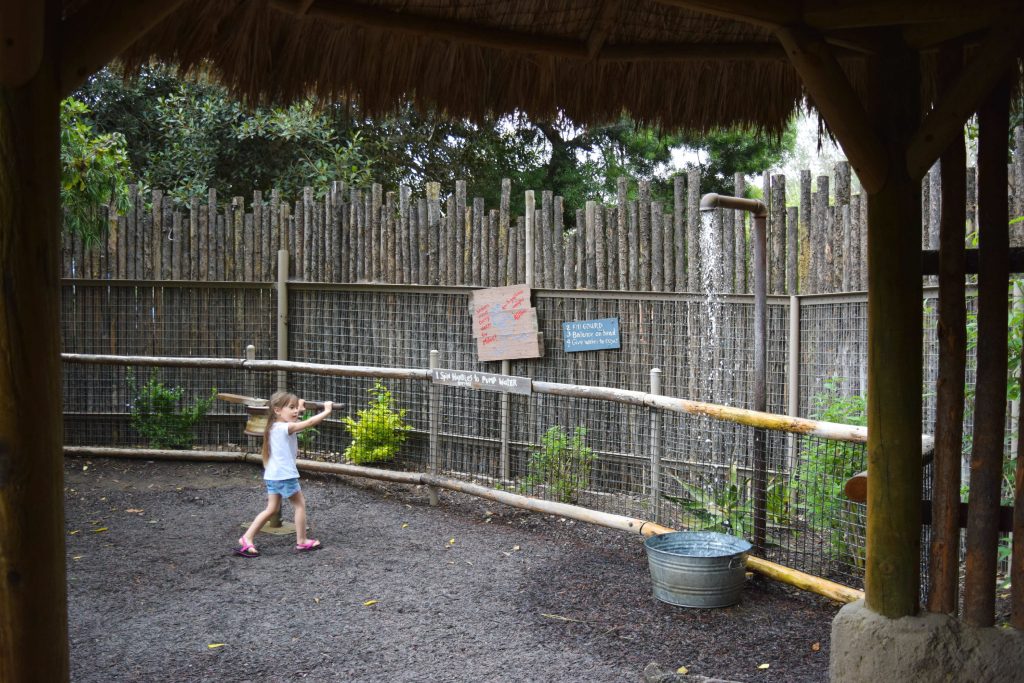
{"x":467,"y":591}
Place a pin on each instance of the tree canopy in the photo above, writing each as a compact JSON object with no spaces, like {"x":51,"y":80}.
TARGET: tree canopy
{"x":186,"y":135}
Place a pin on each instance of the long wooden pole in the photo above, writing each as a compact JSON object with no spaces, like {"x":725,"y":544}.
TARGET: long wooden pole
{"x":33,"y":587}
{"x":990,"y":396}
{"x":944,"y":568}
{"x":892,"y":578}
{"x":793,"y":577}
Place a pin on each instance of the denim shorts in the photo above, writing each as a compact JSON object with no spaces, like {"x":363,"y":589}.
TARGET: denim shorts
{"x":286,"y":488}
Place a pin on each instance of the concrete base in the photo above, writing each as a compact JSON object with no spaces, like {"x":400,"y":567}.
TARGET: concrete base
{"x":931,"y":647}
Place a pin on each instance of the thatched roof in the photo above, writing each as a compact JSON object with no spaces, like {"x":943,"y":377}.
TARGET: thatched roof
{"x":699,"y":64}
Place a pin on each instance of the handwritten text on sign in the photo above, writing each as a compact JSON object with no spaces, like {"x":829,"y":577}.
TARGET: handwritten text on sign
{"x":504,"y":324}
{"x":483,"y":380}
{"x":590,"y":335}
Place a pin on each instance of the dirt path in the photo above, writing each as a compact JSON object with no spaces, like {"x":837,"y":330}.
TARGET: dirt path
{"x":469,"y":591}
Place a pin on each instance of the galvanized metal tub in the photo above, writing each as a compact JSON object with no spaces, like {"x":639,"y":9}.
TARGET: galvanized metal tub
{"x":697,"y":568}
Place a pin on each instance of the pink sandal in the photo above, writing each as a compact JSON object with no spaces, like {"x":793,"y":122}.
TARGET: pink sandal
{"x":246,"y":549}
{"x":308,"y":545}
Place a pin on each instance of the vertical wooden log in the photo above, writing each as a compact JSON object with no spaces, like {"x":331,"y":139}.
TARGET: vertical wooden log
{"x":236,"y":257}
{"x":482,"y":237}
{"x":935,"y":206}
{"x":820,"y":234}
{"x":297,"y":241}
{"x":390,"y":243}
{"x":258,"y":232}
{"x":558,"y":239}
{"x":514,"y":248}
{"x":581,"y":246}
{"x":740,"y":243}
{"x":367,"y":223}
{"x":668,"y":253}
{"x":203,"y":248}
{"x":693,"y":230}
{"x":311,"y":233}
{"x":122,"y":229}
{"x":792,"y":258}
{"x":274,"y":236}
{"x":777,"y":271}
{"x":423,"y":231}
{"x":177,"y":238}
{"x":166,"y":248}
{"x":449,"y":227}
{"x":477,"y":241}
{"x":491,"y":249}
{"x":990,"y":396}
{"x":569,"y":262}
{"x":248,"y":247}
{"x":130,"y":241}
{"x":679,"y":231}
{"x":154,"y":235}
{"x":944,"y":554}
{"x":842,"y":173}
{"x":634,"y":246}
{"x":657,"y":248}
{"x":377,"y":256}
{"x":463,"y":237}
{"x":545,"y":244}
{"x":404,"y":233}
{"x":433,"y":227}
{"x":358,"y":235}
{"x":520,"y":240}
{"x":588,"y":263}
{"x":892,"y":580}
{"x":808,"y":263}
{"x":504,"y":235}
{"x":600,"y":248}
{"x":33,"y":587}
{"x":847,"y":265}
{"x":622,"y":228}
{"x":644,"y":216}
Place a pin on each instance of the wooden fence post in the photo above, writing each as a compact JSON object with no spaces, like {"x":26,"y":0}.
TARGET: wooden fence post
{"x":282,"y":316}
{"x":655,"y":443}
{"x":434,"y":463}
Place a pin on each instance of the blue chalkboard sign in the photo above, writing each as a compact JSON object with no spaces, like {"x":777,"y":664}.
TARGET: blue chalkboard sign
{"x":590,"y":335}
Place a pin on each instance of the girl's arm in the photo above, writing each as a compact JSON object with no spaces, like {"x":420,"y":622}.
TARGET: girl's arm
{"x":312,"y":421}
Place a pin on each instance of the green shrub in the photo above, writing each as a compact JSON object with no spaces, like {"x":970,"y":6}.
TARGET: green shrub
{"x":562,"y":463}
{"x":158,"y":415}
{"x":378,"y":431}
{"x":826,"y":467}
{"x":727,"y":510}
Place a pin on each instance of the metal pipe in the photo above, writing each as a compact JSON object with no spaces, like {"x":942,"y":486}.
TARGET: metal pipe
{"x":759,"y":211}
{"x":713,"y":200}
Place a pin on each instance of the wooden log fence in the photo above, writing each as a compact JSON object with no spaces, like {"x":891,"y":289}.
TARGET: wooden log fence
{"x":337,"y":234}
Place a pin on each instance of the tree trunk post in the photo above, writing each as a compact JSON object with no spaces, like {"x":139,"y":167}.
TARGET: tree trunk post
{"x":33,"y":585}
{"x":892,"y":580}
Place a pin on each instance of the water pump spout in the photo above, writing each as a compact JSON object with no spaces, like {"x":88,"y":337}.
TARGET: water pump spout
{"x":713,"y":200}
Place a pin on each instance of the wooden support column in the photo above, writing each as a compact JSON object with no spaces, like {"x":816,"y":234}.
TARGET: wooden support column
{"x":892,"y":580}
{"x":952,"y":335}
{"x":33,"y":588}
{"x":990,"y":396}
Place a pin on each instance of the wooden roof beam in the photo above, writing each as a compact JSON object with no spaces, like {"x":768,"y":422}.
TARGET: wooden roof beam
{"x":603,"y":25}
{"x":994,"y":56}
{"x":21,"y":41}
{"x":341,"y":12}
{"x":835,"y":98}
{"x":827,"y":15}
{"x":100,"y":30}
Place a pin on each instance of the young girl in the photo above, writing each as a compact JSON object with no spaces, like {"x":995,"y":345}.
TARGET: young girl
{"x":280,"y":450}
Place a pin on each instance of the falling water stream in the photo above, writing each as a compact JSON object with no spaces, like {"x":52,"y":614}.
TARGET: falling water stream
{"x":713,"y":312}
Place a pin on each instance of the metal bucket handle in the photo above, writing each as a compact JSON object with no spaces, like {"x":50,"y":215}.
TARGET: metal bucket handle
{"x":736,"y":562}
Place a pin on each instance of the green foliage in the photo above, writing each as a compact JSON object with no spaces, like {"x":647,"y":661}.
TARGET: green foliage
{"x":158,"y":415}
{"x":827,"y":466}
{"x":727,"y":509}
{"x":188,"y":135}
{"x":307,"y":436}
{"x":722,"y":153}
{"x":94,"y":171}
{"x":562,"y":463}
{"x":378,"y":431}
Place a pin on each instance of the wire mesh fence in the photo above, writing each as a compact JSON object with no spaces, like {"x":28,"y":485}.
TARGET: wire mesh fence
{"x":677,"y":469}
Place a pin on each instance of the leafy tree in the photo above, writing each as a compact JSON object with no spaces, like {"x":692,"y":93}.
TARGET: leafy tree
{"x":187,"y":135}
{"x":94,"y":171}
